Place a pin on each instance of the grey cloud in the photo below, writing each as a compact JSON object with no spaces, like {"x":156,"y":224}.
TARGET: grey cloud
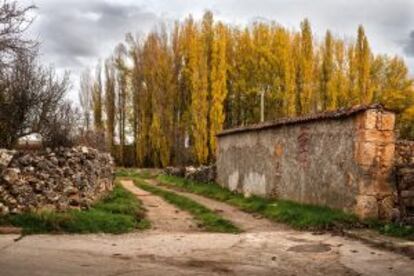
{"x":71,"y":31}
{"x":76,"y":33}
{"x":409,"y":46}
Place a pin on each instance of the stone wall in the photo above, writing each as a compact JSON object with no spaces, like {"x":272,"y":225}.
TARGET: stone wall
{"x":405,"y":177}
{"x":65,"y":178}
{"x":339,"y":159}
{"x":203,"y":174}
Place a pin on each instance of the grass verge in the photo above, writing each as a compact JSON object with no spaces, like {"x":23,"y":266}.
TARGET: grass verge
{"x":209,"y":220}
{"x":119,"y":212}
{"x":299,"y":216}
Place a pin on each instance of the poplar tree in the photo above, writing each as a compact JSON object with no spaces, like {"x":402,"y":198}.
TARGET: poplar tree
{"x":218,"y":85}
{"x":121,"y":89}
{"x":263,"y":67}
{"x":85,"y":98}
{"x":181,"y":102}
{"x":339,"y":80}
{"x":97,"y":99}
{"x":208,"y":42}
{"x":327,"y":90}
{"x":161,"y":91}
{"x":353,"y":96}
{"x":195,"y":74}
{"x":285,"y":69}
{"x":240,"y":79}
{"x":363,"y":63}
{"x":110,"y":107}
{"x":306,"y":86}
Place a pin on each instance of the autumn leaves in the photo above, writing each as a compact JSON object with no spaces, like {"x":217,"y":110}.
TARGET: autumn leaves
{"x":173,"y":91}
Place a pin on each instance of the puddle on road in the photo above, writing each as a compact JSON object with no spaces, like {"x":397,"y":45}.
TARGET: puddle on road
{"x":310,"y":248}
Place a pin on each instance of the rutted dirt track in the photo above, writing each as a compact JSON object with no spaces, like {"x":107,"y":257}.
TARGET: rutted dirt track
{"x":164,"y":217}
{"x":177,"y":247}
{"x":243,"y":220}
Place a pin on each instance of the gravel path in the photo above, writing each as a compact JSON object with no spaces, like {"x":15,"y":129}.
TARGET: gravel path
{"x":163,"y":216}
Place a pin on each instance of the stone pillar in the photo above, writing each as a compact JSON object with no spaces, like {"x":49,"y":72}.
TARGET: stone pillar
{"x":374,"y":155}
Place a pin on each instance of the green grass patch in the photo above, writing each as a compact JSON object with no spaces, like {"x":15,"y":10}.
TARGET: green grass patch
{"x":119,"y":212}
{"x":397,"y":230}
{"x":209,"y":220}
{"x":299,"y":216}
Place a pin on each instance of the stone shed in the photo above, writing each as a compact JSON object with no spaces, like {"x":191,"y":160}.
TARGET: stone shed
{"x":343,"y":159}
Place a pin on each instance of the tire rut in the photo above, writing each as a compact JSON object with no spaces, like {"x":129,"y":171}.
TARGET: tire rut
{"x":245,"y":221}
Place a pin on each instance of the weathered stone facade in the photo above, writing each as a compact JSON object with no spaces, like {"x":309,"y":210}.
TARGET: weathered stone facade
{"x":341,"y":159}
{"x":66,"y":178}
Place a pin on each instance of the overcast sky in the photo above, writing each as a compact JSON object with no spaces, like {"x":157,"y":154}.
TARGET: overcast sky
{"x":76,"y":33}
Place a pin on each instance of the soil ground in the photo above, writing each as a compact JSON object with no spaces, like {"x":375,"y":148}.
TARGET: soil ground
{"x":177,"y":247}
{"x":245,"y":221}
{"x":163,"y":216}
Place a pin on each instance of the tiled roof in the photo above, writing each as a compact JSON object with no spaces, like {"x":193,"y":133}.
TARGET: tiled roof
{"x":328,"y":115}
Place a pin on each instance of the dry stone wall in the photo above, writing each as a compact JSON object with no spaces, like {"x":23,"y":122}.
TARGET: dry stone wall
{"x":203,"y":174}
{"x":62,"y":179}
{"x":405,"y":178}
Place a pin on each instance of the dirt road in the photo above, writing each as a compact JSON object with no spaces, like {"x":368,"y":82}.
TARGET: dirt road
{"x":245,"y":221}
{"x":164,"y":217}
{"x":264,"y":249}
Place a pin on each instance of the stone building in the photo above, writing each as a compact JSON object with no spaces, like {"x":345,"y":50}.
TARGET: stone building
{"x":343,"y":159}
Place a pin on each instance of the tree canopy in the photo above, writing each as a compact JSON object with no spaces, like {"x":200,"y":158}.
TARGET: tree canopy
{"x":177,"y":89}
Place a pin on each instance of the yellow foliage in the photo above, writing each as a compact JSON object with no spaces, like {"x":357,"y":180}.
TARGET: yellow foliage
{"x":205,"y":76}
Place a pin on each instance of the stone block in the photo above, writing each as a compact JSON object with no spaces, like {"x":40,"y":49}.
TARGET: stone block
{"x":387,"y":154}
{"x":407,"y":194}
{"x":4,"y":210}
{"x":387,"y":121}
{"x":371,"y":117}
{"x":377,"y":136}
{"x":11,"y":175}
{"x":366,"y":153}
{"x":386,"y":208}
{"x":369,"y":187}
{"x":6,"y":156}
{"x":408,"y":202}
{"x":366,"y":207}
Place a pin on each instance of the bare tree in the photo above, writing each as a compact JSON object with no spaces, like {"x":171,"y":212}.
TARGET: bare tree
{"x":61,"y":129}
{"x":31,"y":95}
{"x":14,"y":21}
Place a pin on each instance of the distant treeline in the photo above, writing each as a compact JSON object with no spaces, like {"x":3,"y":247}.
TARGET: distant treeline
{"x":172,"y":91}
